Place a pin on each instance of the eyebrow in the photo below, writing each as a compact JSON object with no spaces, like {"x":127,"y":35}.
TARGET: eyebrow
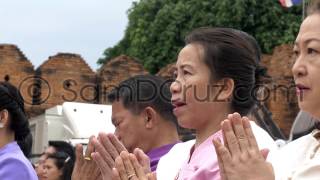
{"x":113,"y":119}
{"x":186,"y":65}
{"x":307,"y":41}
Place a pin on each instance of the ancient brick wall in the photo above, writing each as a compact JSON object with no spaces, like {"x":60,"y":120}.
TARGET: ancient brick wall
{"x":115,"y":71}
{"x":67,"y":77}
{"x":16,"y":68}
{"x":282,"y":101}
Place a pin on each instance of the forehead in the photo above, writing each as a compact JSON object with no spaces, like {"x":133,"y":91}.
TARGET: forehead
{"x":50,"y":161}
{"x":309,"y":29}
{"x":118,"y":109}
{"x":191,"y":54}
{"x":50,"y":150}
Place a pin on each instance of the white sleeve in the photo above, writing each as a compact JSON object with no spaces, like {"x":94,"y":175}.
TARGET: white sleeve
{"x":264,"y":140}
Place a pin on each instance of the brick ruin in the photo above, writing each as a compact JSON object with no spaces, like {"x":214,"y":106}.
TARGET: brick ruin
{"x":67,"y":77}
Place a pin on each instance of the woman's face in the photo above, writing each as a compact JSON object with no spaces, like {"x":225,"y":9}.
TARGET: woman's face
{"x":306,"y":70}
{"x":51,"y":170}
{"x":193,"y":96}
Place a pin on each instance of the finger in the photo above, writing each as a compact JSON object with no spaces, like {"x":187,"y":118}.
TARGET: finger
{"x":104,"y":154}
{"x":238,"y":128}
{"x":78,"y":163}
{"x":108,"y":146}
{"x":115,"y":174}
{"x":103,"y":166}
{"x":264,"y":153}
{"x":143,"y":159}
{"x":90,"y":147}
{"x":101,"y":178}
{"x":137,"y":167}
{"x":230,"y":138}
{"x":79,"y":153}
{"x":116,"y":143}
{"x":152,"y":176}
{"x":127,"y":163}
{"x":97,"y":173}
{"x":251,"y":138}
{"x":226,"y":157}
{"x":120,"y":168}
{"x":223,"y":135}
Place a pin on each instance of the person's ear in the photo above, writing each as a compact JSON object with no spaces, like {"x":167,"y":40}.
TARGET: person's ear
{"x":225,"y":92}
{"x":149,"y":117}
{"x":4,"y":118}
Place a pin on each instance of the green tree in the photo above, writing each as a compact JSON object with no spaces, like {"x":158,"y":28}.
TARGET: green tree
{"x":156,"y":28}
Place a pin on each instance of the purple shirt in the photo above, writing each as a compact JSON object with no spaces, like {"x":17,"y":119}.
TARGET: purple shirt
{"x":14,"y":165}
{"x":157,"y":153}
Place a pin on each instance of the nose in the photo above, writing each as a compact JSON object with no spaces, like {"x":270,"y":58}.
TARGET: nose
{"x":175,"y":87}
{"x":116,"y":133}
{"x":299,"y":67}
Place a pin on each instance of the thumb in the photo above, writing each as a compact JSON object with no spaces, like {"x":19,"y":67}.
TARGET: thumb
{"x":264,"y":153}
{"x":152,"y":176}
{"x":143,"y":159}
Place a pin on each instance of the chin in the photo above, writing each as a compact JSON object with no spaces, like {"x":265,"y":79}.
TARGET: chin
{"x":185,"y":123}
{"x":310,"y":108}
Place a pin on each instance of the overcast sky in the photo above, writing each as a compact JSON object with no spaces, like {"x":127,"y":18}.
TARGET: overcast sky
{"x":42,"y":28}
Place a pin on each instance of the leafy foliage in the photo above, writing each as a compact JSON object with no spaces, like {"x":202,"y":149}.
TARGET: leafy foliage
{"x":157,"y":28}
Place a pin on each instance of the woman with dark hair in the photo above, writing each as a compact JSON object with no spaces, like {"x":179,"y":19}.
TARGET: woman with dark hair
{"x":216,"y":74}
{"x":58,"y":166}
{"x":15,"y":136}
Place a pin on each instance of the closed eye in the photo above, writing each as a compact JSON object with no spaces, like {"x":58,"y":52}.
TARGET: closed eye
{"x":185,"y":72}
{"x":175,"y":75}
{"x":116,"y":124}
{"x":311,"y":51}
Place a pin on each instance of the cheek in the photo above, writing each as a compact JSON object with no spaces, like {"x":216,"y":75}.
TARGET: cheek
{"x":125,"y":130}
{"x":199,"y":93}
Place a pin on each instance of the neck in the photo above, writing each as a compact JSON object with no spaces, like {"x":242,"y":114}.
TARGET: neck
{"x":167,"y":134}
{"x":6,"y":137}
{"x":213,"y":126}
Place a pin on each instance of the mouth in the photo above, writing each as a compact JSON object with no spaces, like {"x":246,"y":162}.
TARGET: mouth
{"x":178,"y":105}
{"x":300,"y":89}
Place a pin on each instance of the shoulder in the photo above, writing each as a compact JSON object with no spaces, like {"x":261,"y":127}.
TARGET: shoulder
{"x":13,"y":166}
{"x":297,"y":144}
{"x":264,"y":140}
{"x":179,"y":151}
{"x":291,"y":151}
{"x":170,"y":163}
{"x":291,"y":156}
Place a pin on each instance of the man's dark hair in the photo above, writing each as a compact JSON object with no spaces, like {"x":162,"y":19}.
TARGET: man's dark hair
{"x":62,"y":146}
{"x":141,"y":91}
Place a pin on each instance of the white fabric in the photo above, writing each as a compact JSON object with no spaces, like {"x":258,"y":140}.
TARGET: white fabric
{"x":298,"y":160}
{"x":170,"y":163}
{"x":289,"y":3}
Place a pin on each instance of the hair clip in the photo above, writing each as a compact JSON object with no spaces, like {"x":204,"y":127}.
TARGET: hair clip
{"x":67,"y":160}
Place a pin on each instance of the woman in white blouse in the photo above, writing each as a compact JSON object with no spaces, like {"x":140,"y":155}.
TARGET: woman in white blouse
{"x":300,"y":159}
